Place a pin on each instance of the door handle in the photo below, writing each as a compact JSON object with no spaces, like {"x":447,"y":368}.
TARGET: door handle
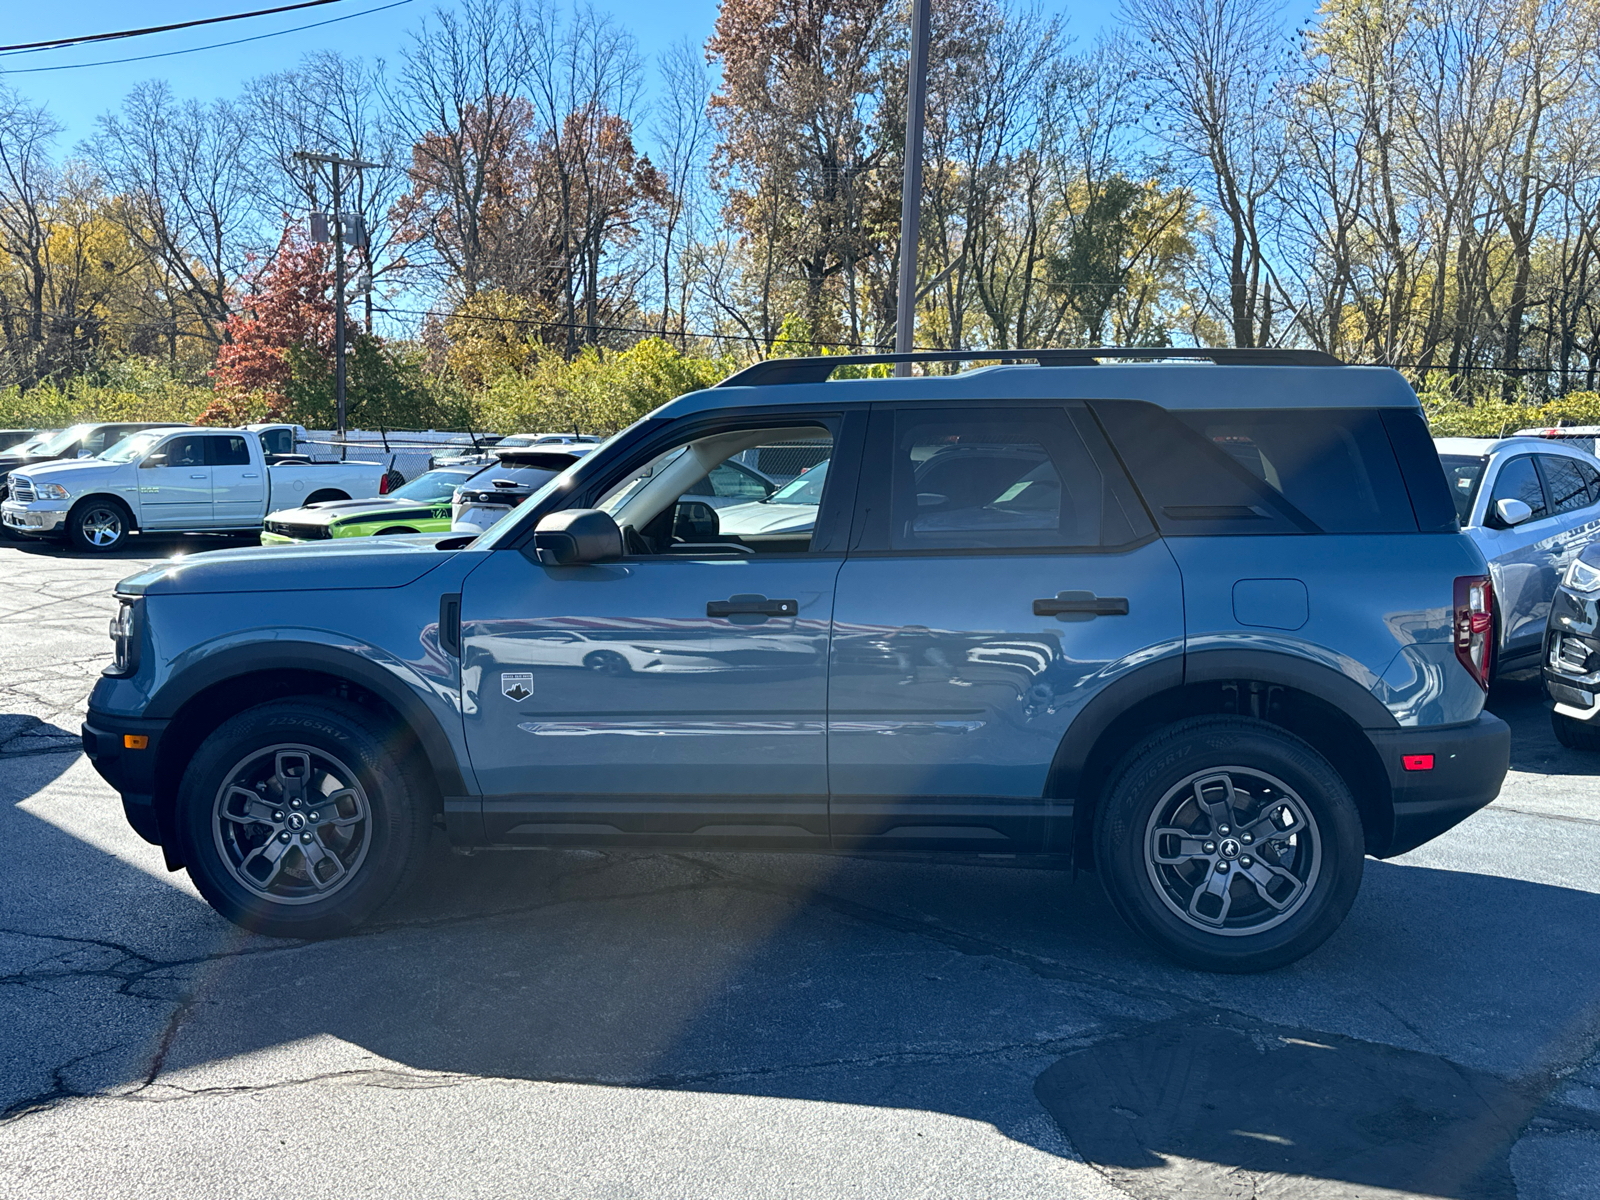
{"x":250,"y":475}
{"x":197,"y":477}
{"x":1080,"y":606}
{"x":751,"y":605}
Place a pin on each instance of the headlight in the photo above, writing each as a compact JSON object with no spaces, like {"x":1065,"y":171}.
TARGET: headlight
{"x":1581,"y":577}
{"x":50,"y":491}
{"x":125,"y":638}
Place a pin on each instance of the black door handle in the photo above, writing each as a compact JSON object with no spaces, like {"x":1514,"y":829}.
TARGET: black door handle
{"x":1080,"y":606}
{"x":753,"y":606}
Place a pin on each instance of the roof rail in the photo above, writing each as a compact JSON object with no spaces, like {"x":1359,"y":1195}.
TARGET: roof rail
{"x":817,"y":369}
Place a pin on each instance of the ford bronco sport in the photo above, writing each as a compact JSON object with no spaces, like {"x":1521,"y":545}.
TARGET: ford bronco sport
{"x":1205,"y":625}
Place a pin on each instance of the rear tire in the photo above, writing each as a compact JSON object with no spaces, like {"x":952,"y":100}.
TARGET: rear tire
{"x":99,"y":524}
{"x":607,"y":662}
{"x":1573,"y":733}
{"x":298,"y":818}
{"x":1230,"y":844}
{"x":326,"y":494}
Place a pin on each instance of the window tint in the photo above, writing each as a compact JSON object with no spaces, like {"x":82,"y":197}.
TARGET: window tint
{"x":1518,"y":481}
{"x":980,"y":479}
{"x":1564,"y":483}
{"x":227,"y":450}
{"x":1463,"y":472}
{"x":1591,"y":479}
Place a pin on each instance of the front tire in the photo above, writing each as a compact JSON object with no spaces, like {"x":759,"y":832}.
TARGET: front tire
{"x":99,"y":524}
{"x":1573,"y":733}
{"x":1230,"y":844}
{"x":608,"y":662}
{"x":298,"y":818}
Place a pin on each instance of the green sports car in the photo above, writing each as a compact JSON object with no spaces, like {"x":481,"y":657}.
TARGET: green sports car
{"x":421,"y":506}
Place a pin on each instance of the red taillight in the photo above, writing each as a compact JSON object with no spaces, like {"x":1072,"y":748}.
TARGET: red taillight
{"x":1417,"y":762}
{"x":1473,"y":626}
{"x":383,"y":485}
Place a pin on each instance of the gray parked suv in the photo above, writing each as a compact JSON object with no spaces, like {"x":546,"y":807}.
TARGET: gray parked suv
{"x":1207,"y":627}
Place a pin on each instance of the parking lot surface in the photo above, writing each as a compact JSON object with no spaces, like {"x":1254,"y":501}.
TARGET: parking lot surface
{"x":688,"y":1025}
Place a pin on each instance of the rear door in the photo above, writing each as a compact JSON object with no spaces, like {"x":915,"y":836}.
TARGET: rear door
{"x":175,"y":484}
{"x":238,"y":488}
{"x":1002,"y":573}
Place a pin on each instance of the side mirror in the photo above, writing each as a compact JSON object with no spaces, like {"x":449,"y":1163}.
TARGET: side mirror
{"x":575,"y":537}
{"x":1512,"y":512}
{"x":695,"y":521}
{"x":158,"y":459}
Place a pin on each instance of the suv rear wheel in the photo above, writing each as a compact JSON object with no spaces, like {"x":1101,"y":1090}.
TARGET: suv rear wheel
{"x":1229,"y":843}
{"x":298,"y":820}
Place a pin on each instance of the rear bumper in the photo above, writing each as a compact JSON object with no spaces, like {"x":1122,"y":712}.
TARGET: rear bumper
{"x":131,"y":772}
{"x":1469,"y":764}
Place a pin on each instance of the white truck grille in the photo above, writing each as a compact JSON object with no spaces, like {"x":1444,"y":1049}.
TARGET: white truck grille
{"x":22,"y":490}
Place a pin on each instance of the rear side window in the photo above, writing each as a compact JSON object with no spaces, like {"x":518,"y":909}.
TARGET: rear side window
{"x":1591,"y":477}
{"x":1463,"y":472}
{"x":1254,"y":471}
{"x":1564,"y":484}
{"x":1519,"y":481}
{"x":227,"y":451}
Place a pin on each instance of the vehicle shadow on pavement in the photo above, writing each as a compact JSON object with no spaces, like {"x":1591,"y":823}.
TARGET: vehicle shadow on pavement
{"x":975,"y":991}
{"x":139,"y":546}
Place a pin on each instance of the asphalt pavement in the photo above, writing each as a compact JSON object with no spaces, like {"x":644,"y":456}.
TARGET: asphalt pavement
{"x":561,"y":1024}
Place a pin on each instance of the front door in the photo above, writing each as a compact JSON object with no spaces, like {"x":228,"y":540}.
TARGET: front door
{"x":238,"y":486}
{"x":676,"y":695}
{"x":175,"y":484}
{"x":1004,"y":573}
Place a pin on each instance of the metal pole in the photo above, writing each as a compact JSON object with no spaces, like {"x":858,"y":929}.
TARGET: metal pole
{"x":338,"y":306}
{"x":911,"y":187}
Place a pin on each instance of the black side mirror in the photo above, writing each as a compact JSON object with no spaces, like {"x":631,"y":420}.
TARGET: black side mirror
{"x":695,"y":521}
{"x":575,"y":537}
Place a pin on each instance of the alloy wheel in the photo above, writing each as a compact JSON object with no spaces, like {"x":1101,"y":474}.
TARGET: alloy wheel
{"x":292,"y":824}
{"x":101,"y":526}
{"x":1233,"y":851}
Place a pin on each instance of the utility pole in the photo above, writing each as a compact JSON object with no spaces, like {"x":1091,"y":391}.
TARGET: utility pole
{"x":911,"y":186}
{"x":336,"y":233}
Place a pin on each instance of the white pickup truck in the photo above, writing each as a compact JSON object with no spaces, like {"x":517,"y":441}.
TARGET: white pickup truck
{"x":191,"y":480}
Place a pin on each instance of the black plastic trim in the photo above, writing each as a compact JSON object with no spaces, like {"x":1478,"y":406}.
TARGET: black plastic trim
{"x":1470,"y":764}
{"x":1344,"y":693}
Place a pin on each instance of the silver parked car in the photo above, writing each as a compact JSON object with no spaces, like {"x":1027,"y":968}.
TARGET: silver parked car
{"x":1531,"y":505}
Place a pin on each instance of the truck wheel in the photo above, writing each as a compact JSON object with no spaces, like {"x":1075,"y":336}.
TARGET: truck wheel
{"x":298,"y":819}
{"x":326,"y":494}
{"x":1575,"y":734}
{"x":1229,"y":843}
{"x":98,"y":524}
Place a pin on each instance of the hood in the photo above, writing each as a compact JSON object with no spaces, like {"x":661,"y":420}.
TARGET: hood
{"x":761,"y":517}
{"x":60,"y":471}
{"x":325,"y":512}
{"x":347,"y":564}
{"x":15,"y":462}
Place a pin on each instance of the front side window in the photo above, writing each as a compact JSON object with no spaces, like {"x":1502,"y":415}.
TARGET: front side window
{"x":703,"y":498}
{"x":1519,"y":481}
{"x":1565,"y":486}
{"x":986,"y":480}
{"x":186,"y":451}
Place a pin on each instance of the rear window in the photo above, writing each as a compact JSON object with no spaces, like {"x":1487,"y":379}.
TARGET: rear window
{"x":1244,"y":471}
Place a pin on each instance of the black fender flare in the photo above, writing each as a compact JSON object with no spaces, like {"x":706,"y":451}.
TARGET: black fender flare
{"x":1325,"y":683}
{"x":252,"y":658}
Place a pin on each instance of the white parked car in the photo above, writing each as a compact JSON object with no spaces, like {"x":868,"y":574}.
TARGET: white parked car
{"x":188,"y":480}
{"x":1531,"y":505}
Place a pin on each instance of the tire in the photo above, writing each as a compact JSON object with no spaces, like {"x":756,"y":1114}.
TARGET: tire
{"x":607,"y":662}
{"x":326,"y":494}
{"x":323,"y":884}
{"x":1271,"y":907}
{"x":1575,"y":734}
{"x":99,"y":524}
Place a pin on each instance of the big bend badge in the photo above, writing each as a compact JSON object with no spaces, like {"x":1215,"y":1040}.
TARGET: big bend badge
{"x":516,"y":686}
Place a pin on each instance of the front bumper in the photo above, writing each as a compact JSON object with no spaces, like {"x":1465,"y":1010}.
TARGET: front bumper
{"x":1469,"y":764}
{"x":42,"y":518}
{"x":132,"y":772}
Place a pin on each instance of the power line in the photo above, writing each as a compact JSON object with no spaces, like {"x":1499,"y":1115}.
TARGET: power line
{"x":111,"y":62}
{"x":58,"y":43}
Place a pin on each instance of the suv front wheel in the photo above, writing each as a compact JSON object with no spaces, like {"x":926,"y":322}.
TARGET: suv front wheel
{"x":298,"y":819}
{"x":1229,"y":843}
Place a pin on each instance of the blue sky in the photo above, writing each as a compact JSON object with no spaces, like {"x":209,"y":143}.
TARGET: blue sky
{"x":77,"y":96}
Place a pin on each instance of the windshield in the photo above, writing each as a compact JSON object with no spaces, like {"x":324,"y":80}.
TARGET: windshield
{"x":1464,"y":472}
{"x":62,"y":440}
{"x":435,"y":485}
{"x":805,"y":488}
{"x":133,"y":446}
{"x":33,"y":444}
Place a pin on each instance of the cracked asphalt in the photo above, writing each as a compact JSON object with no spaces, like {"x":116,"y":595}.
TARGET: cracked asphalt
{"x":586,"y":1024}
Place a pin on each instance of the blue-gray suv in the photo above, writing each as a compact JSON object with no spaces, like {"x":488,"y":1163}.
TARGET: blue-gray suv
{"x":1200,"y":621}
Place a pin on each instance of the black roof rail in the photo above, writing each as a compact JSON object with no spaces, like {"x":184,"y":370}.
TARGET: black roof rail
{"x":817,"y":369}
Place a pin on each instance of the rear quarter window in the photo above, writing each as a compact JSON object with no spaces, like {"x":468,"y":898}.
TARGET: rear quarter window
{"x":1260,"y":471}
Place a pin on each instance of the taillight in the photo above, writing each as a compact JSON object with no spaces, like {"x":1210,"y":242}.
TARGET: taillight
{"x":383,"y":485}
{"x":1473,"y":626}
